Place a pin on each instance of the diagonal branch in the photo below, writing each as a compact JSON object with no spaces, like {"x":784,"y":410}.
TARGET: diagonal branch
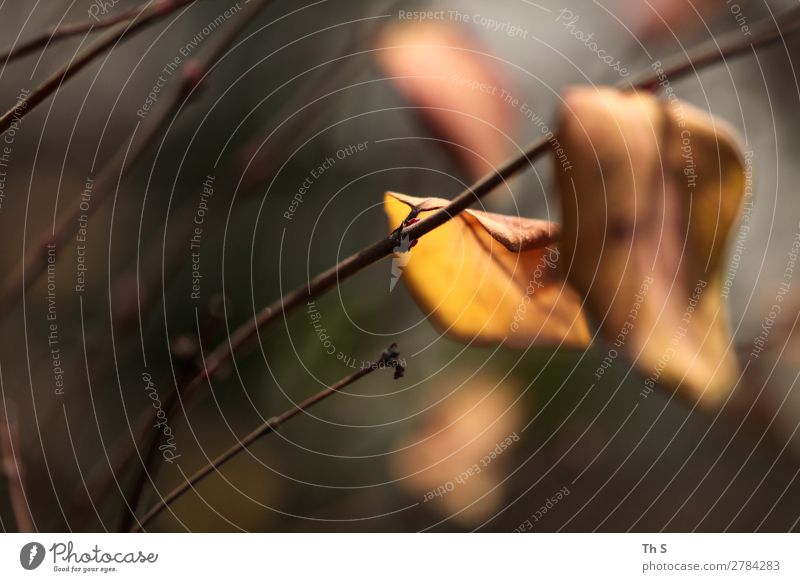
{"x":706,"y":55}
{"x":73,"y":67}
{"x":27,"y":271}
{"x":221,"y":45}
{"x":30,"y":268}
{"x":62,"y":31}
{"x":728,"y":46}
{"x":388,"y":359}
{"x":121,"y":164}
{"x":765,"y":32}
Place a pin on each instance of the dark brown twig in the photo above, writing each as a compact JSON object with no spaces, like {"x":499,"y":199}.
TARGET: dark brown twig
{"x":731,"y":45}
{"x":25,"y":273}
{"x":24,"y":106}
{"x":62,"y":31}
{"x":29,"y":269}
{"x":766,"y":32}
{"x":223,"y":42}
{"x":12,"y":467}
{"x":388,"y":359}
{"x":150,"y":440}
{"x":121,"y":164}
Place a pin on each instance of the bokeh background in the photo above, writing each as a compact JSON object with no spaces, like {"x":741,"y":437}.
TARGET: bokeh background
{"x":305,"y":81}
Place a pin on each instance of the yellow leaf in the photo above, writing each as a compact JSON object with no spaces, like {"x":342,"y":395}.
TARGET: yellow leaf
{"x":488,"y":278}
{"x":652,"y":194}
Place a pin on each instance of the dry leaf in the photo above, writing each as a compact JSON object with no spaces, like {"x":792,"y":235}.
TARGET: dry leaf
{"x":490,"y":278}
{"x":457,"y":460}
{"x":653,"y":193}
{"x":444,"y":72}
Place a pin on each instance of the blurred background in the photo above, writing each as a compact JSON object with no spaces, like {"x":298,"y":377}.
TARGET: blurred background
{"x":266,"y":155}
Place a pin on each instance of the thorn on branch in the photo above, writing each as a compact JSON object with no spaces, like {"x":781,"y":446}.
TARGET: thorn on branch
{"x":193,"y":75}
{"x":391,"y":358}
{"x":185,"y":347}
{"x":397,"y":235}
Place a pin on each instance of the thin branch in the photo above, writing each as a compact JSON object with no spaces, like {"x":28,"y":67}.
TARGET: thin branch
{"x":728,"y":46}
{"x":73,"y":67}
{"x":125,"y":455}
{"x":128,"y":453}
{"x":62,"y":31}
{"x":221,"y":45}
{"x":29,"y":269}
{"x":12,"y":467}
{"x":26,"y":272}
{"x":151,"y":440}
{"x":388,"y":359}
{"x":766,"y":32}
